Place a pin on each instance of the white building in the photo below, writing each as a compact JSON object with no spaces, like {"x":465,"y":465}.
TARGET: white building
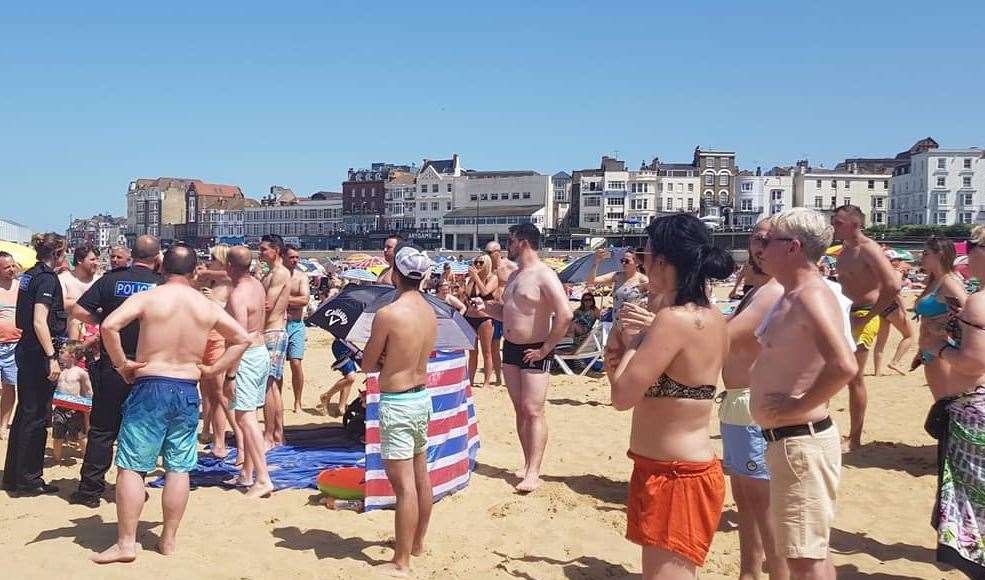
{"x":602,"y":195}
{"x":315,"y":222}
{"x":11,"y":231}
{"x":826,"y":189}
{"x":939,"y":187}
{"x":561,"y":187}
{"x":487,"y":203}
{"x":678,"y":189}
{"x":759,"y":196}
{"x":399,"y":202}
{"x":438,"y":183}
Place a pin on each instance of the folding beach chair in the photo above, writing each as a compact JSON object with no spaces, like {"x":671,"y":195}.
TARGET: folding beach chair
{"x":588,"y":352}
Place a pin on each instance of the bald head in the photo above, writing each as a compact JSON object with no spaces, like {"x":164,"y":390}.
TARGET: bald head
{"x":180,"y":261}
{"x":492,"y":247}
{"x":239,"y":259}
{"x":146,"y":248}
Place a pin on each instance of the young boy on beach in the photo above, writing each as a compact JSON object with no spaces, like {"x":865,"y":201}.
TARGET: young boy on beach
{"x":400,"y":352}
{"x":69,"y":424}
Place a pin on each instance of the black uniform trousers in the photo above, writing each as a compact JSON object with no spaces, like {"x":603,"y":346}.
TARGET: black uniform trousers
{"x":109,"y":391}
{"x":28,"y":433}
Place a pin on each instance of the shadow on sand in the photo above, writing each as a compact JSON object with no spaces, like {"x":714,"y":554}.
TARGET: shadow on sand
{"x":325,"y":544}
{"x":915,"y":460}
{"x":598,"y":486}
{"x":583,"y":568}
{"x":92,"y":533}
{"x":843,"y":542}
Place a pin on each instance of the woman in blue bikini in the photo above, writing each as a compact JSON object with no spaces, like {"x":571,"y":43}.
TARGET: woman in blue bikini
{"x":944,"y":285}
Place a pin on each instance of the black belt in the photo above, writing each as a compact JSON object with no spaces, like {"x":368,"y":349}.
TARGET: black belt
{"x":797,"y":430}
{"x":416,"y":389}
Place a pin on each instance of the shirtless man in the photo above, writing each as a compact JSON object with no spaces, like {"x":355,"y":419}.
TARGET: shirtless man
{"x":248,"y":378}
{"x":742,"y":439}
{"x":400,"y":352}
{"x":869,"y":281}
{"x":502,"y":267}
{"x":297,"y":302}
{"x":532,"y":296}
{"x":805,"y":359}
{"x":75,"y":282}
{"x":276,"y":284}
{"x":389,"y":247}
{"x":9,"y":335}
{"x":161,"y":415}
{"x":119,"y":257}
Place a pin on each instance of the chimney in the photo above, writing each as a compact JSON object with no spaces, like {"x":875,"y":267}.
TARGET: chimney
{"x":759,"y":171}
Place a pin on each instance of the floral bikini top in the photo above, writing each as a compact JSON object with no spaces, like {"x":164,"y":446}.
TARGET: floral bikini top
{"x":668,"y":387}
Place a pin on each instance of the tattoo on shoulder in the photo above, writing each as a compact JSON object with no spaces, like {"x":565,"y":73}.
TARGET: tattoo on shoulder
{"x":699,"y":323}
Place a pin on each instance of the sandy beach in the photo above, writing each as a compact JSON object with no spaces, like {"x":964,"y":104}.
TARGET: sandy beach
{"x":570,"y":528}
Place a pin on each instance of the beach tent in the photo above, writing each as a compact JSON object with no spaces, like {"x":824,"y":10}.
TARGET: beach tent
{"x":453,"y":433}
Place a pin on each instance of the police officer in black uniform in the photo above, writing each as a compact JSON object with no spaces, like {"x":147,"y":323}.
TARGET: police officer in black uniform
{"x":42,"y":320}
{"x":109,"y":390}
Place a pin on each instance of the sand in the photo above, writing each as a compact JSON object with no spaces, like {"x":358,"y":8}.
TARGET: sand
{"x":570,"y":528}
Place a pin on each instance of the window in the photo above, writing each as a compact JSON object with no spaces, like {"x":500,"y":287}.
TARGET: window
{"x":723,"y":162}
{"x":526,"y":195}
{"x":940,"y":182}
{"x":473,"y":197}
{"x":483,"y":197}
{"x":723,"y":179}
{"x":668,"y":203}
{"x":847,"y":200}
{"x":940,"y":218}
{"x":690,"y":204}
{"x":709,"y":179}
{"x":592,"y":202}
{"x":615,"y":201}
{"x":941,"y":163}
{"x":424,"y":189}
{"x":941,"y":199}
{"x":709,"y":161}
{"x":745,"y":204}
{"x":885,"y":184}
{"x":966,"y":181}
{"x":872,"y":184}
{"x":967,"y":199}
{"x":434,"y":206}
{"x":495,"y":197}
{"x":834,"y":184}
{"x":617,"y":185}
{"x":966,"y":217}
{"x":878,"y":202}
{"x":449,"y":188}
{"x":818,"y":184}
{"x":516,"y":195}
{"x":424,"y":206}
{"x":690,"y":187}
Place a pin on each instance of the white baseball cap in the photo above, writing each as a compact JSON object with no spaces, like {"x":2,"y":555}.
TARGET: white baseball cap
{"x":412,"y":263}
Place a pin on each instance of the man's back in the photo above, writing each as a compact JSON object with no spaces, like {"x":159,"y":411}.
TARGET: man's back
{"x":174,"y":325}
{"x":248,"y":294}
{"x":408,"y":346}
{"x":277,"y":286}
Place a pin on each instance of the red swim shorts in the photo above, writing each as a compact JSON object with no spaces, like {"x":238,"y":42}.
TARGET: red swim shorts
{"x":675,"y":505}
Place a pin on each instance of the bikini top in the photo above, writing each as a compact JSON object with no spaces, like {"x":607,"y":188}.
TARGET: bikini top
{"x":625,"y":291}
{"x":668,"y":387}
{"x":929,"y":306}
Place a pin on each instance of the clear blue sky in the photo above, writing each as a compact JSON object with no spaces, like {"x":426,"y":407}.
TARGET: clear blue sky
{"x":244,"y":93}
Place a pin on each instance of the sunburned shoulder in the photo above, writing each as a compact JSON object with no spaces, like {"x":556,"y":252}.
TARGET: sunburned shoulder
{"x":685,"y":316}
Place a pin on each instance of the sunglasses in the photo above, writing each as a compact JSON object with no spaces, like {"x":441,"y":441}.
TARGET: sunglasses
{"x":766,"y":240}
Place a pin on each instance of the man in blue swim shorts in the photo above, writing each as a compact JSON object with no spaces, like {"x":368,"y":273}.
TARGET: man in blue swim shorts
{"x":743,"y":443}
{"x":297,"y":302}
{"x":160,"y":414}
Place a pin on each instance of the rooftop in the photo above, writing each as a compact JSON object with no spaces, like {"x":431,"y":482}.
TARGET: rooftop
{"x":495,"y":211}
{"x":216,"y":189}
{"x":492,"y":174}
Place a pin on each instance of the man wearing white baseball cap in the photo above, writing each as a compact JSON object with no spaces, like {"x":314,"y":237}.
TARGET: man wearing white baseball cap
{"x":399,"y":352}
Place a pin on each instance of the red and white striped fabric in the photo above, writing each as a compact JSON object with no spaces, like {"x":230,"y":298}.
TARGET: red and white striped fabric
{"x":453,"y":433}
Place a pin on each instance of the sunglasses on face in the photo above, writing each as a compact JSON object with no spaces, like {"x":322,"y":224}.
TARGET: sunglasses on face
{"x":766,"y":240}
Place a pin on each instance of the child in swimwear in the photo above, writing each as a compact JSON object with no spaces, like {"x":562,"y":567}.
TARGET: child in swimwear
{"x":69,"y":424}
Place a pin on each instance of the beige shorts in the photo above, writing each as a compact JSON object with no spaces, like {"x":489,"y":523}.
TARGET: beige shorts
{"x":804,"y":473}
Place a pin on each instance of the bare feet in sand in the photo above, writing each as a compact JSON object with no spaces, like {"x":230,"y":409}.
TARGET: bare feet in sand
{"x":117,"y":553}
{"x":390,"y":569}
{"x":897,"y":369}
{"x":529,"y":484}
{"x":418,"y":550}
{"x":166,"y":547}
{"x":520,"y":473}
{"x":847,"y":445}
{"x":260,"y":490}
{"x":239,"y":481}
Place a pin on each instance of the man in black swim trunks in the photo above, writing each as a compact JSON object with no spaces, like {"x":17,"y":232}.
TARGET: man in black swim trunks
{"x":533,"y":294}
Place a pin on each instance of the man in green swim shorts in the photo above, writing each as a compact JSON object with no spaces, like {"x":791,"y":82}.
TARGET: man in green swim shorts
{"x":400,"y":352}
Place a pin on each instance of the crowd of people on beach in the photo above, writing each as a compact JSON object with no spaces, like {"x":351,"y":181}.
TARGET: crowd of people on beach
{"x":164,"y":340}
